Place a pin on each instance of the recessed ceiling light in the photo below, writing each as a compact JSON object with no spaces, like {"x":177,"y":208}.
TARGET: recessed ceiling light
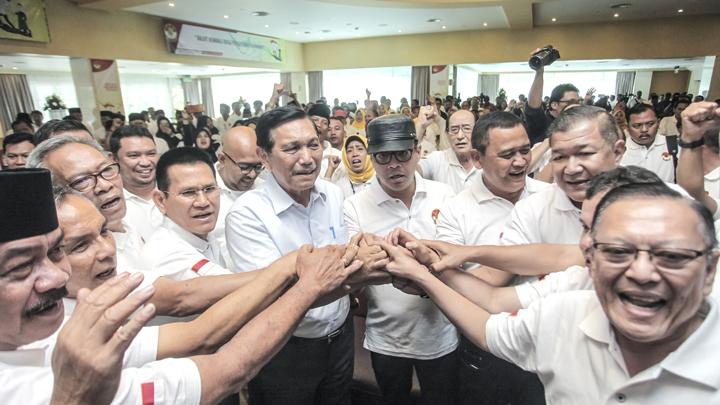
{"x":267,"y":26}
{"x":226,"y":16}
{"x":382,"y":25}
{"x":324,"y":31}
{"x":307,"y":32}
{"x":171,"y":4}
{"x":484,"y":24}
{"x":260,"y":13}
{"x":399,"y":30}
{"x":554,"y":19}
{"x":14,"y":68}
{"x":434,"y":20}
{"x":443,"y":27}
{"x":621,"y":5}
{"x":297,"y":32}
{"x":616,"y":15}
{"x":681,"y":10}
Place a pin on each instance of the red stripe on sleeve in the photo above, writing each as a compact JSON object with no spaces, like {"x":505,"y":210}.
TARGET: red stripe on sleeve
{"x":199,"y":265}
{"x":148,"y":393}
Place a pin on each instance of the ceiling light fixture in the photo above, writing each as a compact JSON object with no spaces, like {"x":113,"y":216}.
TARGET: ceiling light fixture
{"x":297,"y":32}
{"x":267,"y":26}
{"x":554,"y":19}
{"x":226,"y":16}
{"x":433,"y":20}
{"x":444,"y":27}
{"x":171,"y":4}
{"x":260,"y":13}
{"x":14,"y":68}
{"x":484,"y":24}
{"x":382,"y":25}
{"x":399,"y":30}
{"x":294,"y":23}
{"x":681,"y":10}
{"x":616,"y":15}
{"x":621,"y":5}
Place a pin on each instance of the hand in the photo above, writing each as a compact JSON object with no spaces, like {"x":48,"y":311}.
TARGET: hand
{"x":278,"y":88}
{"x":451,"y":256}
{"x":589,"y":94}
{"x":427,"y":115}
{"x":402,"y":263}
{"x":322,"y":270}
{"x":185,"y":116}
{"x":699,"y":118}
{"x":367,"y":93}
{"x":407,"y":286}
{"x":374,"y":259}
{"x":88,"y":356}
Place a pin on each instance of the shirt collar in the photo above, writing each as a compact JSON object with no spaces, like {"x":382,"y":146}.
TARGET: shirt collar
{"x":562,"y":201}
{"x":130,"y":196}
{"x":196,"y":242}
{"x":713,"y":175}
{"x":380,"y":196}
{"x":452,"y":157}
{"x":281,"y":200}
{"x":481,"y":193}
{"x":659,"y":141}
{"x":35,"y":354}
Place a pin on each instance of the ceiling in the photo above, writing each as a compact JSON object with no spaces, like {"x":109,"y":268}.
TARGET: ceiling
{"x":595,"y":65}
{"x":322,"y":20}
{"x":49,"y":63}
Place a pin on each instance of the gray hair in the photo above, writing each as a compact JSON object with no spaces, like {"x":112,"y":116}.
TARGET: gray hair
{"x":38,"y":155}
{"x":571,"y":117}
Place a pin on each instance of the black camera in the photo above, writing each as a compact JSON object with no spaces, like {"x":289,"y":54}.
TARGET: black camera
{"x":544,"y":57}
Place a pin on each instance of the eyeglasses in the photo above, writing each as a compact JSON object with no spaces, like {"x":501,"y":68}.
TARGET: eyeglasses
{"x":467,"y":129}
{"x":194,"y":193}
{"x":384,"y":158}
{"x":641,"y":125}
{"x":89,"y":180}
{"x":664,"y":258}
{"x":246,"y":168}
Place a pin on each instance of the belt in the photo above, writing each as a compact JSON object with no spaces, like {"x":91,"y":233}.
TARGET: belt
{"x":330,"y":337}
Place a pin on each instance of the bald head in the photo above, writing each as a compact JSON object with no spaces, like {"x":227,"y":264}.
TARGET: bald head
{"x":239,"y":151}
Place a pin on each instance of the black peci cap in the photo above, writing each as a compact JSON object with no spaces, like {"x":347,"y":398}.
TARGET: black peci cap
{"x":27,"y":207}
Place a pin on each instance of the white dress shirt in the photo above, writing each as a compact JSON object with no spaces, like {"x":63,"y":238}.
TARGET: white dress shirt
{"x":222,"y":124}
{"x":547,"y":216}
{"x":571,"y":279}
{"x":26,"y":376}
{"x":668,"y":126}
{"x":444,"y":166}
{"x":712,"y":183}
{"x":568,"y":341}
{"x":175,"y":253}
{"x":129,"y":245}
{"x":266,"y":223}
{"x":142,"y":215}
{"x":655,"y":158}
{"x":476,"y":216}
{"x":399,"y":324}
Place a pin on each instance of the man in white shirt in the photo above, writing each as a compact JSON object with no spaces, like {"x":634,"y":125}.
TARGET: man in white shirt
{"x":320,"y":116}
{"x":134,"y":151}
{"x":456,"y":166}
{"x":238,"y":168}
{"x":295,"y":207}
{"x":403,"y":332}
{"x":87,"y":354}
{"x":477,"y":216}
{"x":644,"y":334}
{"x":644,"y":147}
{"x":82,"y":166}
{"x":585,"y":141}
{"x":672,"y":125}
{"x":223,"y":123}
{"x":189,"y":199}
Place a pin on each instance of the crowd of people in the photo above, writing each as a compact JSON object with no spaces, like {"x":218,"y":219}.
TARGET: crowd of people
{"x":546,"y":250}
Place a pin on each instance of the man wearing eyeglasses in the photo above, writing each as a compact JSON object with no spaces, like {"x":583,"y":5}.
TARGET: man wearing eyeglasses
{"x":403,"y":332}
{"x":238,"y":168}
{"x":189,"y":199}
{"x":83,"y":166}
{"x":457,"y":165}
{"x":645,"y":148}
{"x":648,"y":332}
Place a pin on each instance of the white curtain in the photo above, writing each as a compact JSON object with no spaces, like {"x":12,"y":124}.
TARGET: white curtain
{"x":15,"y":97}
{"x":315,"y":85}
{"x":191,"y":91}
{"x":207,"y":96}
{"x":489,"y":85}
{"x":286,"y":79}
{"x":624,"y":82}
{"x":420,"y":83}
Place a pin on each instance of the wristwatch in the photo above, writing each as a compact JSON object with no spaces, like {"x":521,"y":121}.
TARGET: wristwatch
{"x":691,"y":145}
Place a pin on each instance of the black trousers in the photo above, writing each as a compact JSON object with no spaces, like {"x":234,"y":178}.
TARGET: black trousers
{"x":437,"y":377}
{"x":308,"y":372}
{"x":488,"y":380}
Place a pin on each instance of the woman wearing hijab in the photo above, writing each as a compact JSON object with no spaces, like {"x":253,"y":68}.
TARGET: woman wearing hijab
{"x":356,"y":171}
{"x":358,"y":125}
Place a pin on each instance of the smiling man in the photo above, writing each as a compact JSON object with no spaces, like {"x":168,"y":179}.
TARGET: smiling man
{"x":585,"y":141}
{"x":83,"y":166}
{"x":647,"y":334}
{"x":295,"y":207}
{"x":455,"y":166}
{"x":133,"y":148}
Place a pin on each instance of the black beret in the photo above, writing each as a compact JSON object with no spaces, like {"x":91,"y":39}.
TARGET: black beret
{"x":389,"y":133}
{"x":321,"y":110}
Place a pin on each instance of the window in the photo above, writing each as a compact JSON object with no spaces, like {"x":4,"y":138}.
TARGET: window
{"x":348,"y":85}
{"x":251,"y":87}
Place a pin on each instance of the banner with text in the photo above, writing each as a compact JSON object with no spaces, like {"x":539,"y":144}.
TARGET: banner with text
{"x":106,"y":82}
{"x":188,"y":39}
{"x":24,"y":20}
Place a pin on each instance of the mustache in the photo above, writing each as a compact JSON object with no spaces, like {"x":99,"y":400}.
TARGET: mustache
{"x":47,"y":300}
